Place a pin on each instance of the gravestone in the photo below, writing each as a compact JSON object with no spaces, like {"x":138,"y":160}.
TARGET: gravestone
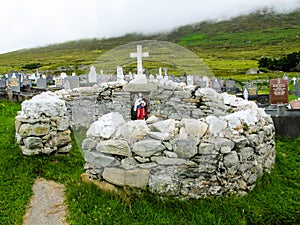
{"x":71,"y":82}
{"x":58,"y":82}
{"x":2,"y":83}
{"x":41,"y":83}
{"x":252,"y":91}
{"x":14,"y":82}
{"x":190,"y":80}
{"x":207,"y":80}
{"x":230,"y":86}
{"x":216,"y":85}
{"x":296,"y":89}
{"x":120,"y":74}
{"x":202,"y":84}
{"x":278,"y":91}
{"x":295,"y":104}
{"x":92,"y":76}
{"x":26,"y":83}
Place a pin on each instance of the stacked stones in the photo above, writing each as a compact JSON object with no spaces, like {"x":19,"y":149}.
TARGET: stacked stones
{"x":86,"y":104}
{"x":187,"y":158}
{"x":42,"y":127}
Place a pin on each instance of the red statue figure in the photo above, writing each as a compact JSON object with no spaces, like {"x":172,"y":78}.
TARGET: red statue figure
{"x":140,"y":107}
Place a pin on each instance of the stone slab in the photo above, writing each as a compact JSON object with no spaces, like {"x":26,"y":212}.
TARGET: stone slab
{"x":140,"y":87}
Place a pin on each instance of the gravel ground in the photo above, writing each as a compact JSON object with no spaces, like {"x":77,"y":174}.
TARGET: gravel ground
{"x":47,"y":204}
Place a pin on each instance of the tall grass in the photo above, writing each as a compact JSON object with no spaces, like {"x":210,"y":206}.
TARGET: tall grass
{"x":274,"y":200}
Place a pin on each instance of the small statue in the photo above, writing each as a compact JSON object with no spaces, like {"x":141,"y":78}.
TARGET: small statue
{"x":140,"y":107}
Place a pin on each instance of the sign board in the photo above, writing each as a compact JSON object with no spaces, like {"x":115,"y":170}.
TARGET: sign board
{"x":278,"y":91}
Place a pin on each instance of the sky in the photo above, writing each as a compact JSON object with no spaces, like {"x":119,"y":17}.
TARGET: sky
{"x":35,"y":23}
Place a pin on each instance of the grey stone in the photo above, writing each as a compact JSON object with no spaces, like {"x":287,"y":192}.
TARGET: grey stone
{"x":63,"y":123}
{"x":185,"y":148}
{"x":246,"y":154}
{"x":114,"y":147}
{"x":159,"y":135}
{"x":195,"y":129}
{"x":62,"y":138}
{"x":224,"y":145}
{"x":33,"y":143}
{"x":167,"y":161}
{"x":147,"y":148}
{"x":207,"y":148}
{"x":133,"y":178}
{"x":89,"y":144}
{"x":231,"y":159}
{"x":65,"y":149}
{"x":170,"y":154}
{"x":164,"y":180}
{"x":99,"y":159}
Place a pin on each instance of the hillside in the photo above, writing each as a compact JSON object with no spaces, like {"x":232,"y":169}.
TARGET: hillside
{"x":228,"y":47}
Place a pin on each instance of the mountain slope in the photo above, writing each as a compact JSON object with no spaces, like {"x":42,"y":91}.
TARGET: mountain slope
{"x":229,"y":46}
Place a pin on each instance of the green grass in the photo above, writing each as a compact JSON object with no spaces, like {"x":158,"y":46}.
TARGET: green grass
{"x":275,"y":199}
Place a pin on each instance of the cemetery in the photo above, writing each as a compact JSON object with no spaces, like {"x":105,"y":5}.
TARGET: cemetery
{"x":170,"y":137}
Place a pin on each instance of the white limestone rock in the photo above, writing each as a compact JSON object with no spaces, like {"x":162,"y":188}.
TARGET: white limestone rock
{"x":114,"y":147}
{"x":165,"y":126}
{"x":106,"y":125}
{"x":47,"y":103}
{"x":216,"y":125}
{"x":195,"y":129}
{"x":133,"y":131}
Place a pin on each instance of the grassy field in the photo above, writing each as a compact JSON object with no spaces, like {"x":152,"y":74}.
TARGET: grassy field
{"x":275,"y":199}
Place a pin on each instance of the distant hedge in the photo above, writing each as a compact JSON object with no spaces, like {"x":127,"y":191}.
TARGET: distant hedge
{"x":287,"y":63}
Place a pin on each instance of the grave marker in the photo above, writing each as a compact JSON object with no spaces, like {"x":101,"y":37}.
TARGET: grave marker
{"x":230,"y":86}
{"x":278,"y":91}
{"x":71,"y":82}
{"x":216,"y":85}
{"x":41,"y":83}
{"x":120,"y":74}
{"x":190,"y":80}
{"x":14,"y":82}
{"x":295,"y":104}
{"x":252,"y":92}
{"x":139,"y":57}
{"x":92,"y":76}
{"x":2,"y":83}
{"x":26,"y":83}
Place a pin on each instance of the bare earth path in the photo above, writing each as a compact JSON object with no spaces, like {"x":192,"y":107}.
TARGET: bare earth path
{"x":47,"y":204}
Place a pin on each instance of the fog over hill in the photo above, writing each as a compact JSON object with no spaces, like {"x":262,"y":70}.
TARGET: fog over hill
{"x":31,"y":24}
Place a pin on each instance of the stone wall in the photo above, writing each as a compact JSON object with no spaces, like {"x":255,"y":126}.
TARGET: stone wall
{"x":223,"y":151}
{"x":195,"y":143}
{"x":43,"y":125}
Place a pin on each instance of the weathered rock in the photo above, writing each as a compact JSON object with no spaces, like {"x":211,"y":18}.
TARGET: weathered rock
{"x":231,"y":159}
{"x":47,"y":103}
{"x":167,"y":161}
{"x":147,"y":148}
{"x":195,"y":129}
{"x":224,"y":145}
{"x":207,"y":149}
{"x":133,"y":131}
{"x":106,"y":125}
{"x":62,"y":138}
{"x":89,"y":144}
{"x":185,"y":148}
{"x":133,"y":178}
{"x":216,"y":125}
{"x":159,"y":135}
{"x":33,"y":143}
{"x":62,"y":123}
{"x":99,"y":159}
{"x":165,"y":126}
{"x":114,"y":147}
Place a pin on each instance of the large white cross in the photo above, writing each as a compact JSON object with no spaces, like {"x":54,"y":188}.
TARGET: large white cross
{"x":139,"y":54}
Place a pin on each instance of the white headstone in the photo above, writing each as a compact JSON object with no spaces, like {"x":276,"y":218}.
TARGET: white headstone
{"x":92,"y":76}
{"x":160,"y":72}
{"x":190,"y":80}
{"x":63,"y":75}
{"x":120,"y":74}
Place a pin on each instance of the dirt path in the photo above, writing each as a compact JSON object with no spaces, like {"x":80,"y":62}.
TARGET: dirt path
{"x":47,"y":204}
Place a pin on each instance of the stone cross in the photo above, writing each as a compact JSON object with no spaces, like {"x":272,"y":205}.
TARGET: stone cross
{"x":139,"y":56}
{"x":294,"y":79}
